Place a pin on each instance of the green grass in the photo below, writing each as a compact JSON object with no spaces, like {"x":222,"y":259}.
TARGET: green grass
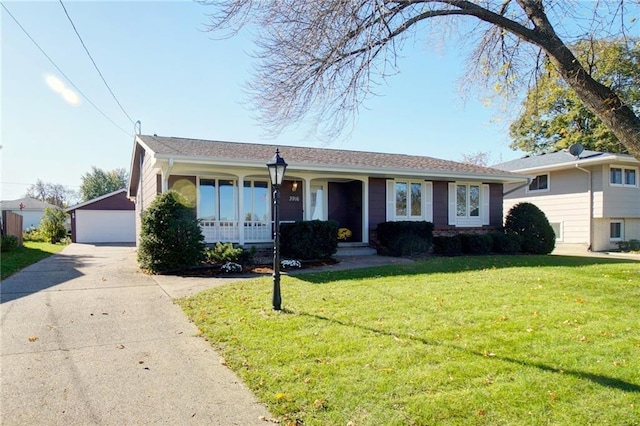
{"x":21,"y":257}
{"x":511,"y":340}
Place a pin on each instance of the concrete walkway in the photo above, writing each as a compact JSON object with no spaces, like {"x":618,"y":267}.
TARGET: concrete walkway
{"x":88,"y":340}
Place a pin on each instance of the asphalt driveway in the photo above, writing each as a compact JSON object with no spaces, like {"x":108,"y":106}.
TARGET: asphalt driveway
{"x":88,"y":339}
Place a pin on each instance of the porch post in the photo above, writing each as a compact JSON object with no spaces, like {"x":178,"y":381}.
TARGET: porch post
{"x":307,"y":198}
{"x":240,"y":210}
{"x":365,"y":210}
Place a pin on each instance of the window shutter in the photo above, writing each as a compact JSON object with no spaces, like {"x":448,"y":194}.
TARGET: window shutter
{"x":427,"y":201}
{"x":486,"y":206}
{"x":452,"y":203}
{"x":391,"y":200}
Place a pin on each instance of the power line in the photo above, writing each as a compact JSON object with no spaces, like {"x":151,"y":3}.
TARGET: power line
{"x":94,"y":62}
{"x":60,"y":71}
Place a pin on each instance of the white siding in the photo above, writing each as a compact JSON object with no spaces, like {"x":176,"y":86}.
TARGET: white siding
{"x":30,"y":218}
{"x":566,"y":202}
{"x":632,"y":229}
{"x":601,"y":234}
{"x":147,"y":190}
{"x":621,"y":202}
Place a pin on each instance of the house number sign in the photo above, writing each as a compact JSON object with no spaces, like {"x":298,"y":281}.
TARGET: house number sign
{"x":294,"y":198}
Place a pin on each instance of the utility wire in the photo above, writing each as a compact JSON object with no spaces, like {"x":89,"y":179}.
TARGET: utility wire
{"x":94,"y":62}
{"x":60,"y":71}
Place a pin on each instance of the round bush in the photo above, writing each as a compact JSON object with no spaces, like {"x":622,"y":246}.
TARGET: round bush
{"x":506,"y":243}
{"x":531,"y":224}
{"x":170,"y":237}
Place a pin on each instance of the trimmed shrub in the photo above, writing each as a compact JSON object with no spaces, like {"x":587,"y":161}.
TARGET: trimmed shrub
{"x":532,"y":225}
{"x":309,"y":239}
{"x":52,"y":224}
{"x":170,"y":237}
{"x":447,"y":246}
{"x":226,"y":252}
{"x":8,"y":243}
{"x":506,"y":243}
{"x":223,"y":253}
{"x":476,"y":243}
{"x":405,"y":238}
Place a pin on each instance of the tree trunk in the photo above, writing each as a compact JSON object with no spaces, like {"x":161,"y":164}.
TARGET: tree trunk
{"x":602,"y":101}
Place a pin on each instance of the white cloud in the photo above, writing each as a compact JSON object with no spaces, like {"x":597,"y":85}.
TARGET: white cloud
{"x":59,"y":86}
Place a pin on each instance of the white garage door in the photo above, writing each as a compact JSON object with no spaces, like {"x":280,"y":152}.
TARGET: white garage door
{"x":105,"y":226}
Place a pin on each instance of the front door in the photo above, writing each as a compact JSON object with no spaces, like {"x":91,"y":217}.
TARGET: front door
{"x":345,"y":206}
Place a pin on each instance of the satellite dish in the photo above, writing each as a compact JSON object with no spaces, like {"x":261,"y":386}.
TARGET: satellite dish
{"x":576,"y":149}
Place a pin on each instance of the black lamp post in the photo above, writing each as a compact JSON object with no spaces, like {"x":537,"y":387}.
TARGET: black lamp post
{"x":277,"y":167}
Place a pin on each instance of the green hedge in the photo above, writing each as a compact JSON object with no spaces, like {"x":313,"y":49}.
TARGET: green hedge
{"x":476,"y":243}
{"x":309,"y":239}
{"x":405,"y":238}
{"x":506,"y":243}
{"x":447,"y":246}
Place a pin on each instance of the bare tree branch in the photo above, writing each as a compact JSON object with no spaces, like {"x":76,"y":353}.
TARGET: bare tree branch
{"x":320,"y":61}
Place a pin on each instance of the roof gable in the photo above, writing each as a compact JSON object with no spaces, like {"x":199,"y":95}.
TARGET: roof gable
{"x":116,"y":200}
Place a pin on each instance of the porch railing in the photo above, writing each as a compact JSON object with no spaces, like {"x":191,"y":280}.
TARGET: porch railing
{"x":230,"y":231}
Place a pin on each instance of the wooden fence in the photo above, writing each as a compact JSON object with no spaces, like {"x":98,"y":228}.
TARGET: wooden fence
{"x":12,"y":225}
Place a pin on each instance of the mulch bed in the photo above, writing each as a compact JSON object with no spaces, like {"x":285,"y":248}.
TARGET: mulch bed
{"x":259,"y":269}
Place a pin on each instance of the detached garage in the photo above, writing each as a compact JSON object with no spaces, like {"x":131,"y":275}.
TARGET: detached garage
{"x":106,"y":219}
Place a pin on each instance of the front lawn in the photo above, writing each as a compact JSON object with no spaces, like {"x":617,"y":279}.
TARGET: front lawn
{"x":531,"y":340}
{"x":21,"y":257}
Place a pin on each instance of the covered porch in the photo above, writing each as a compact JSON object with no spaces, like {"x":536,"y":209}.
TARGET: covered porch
{"x":238,"y":208}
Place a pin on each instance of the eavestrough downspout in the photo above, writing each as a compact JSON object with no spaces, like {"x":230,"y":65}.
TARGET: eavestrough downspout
{"x":590,"y":242}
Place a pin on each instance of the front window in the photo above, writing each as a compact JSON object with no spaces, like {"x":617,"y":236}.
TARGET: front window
{"x":539,"y":183}
{"x":467,"y":200}
{"x":408,"y":200}
{"x":207,"y":199}
{"x":217,"y":199}
{"x":401,"y":198}
{"x":255,"y":201}
{"x":615,"y":231}
{"x":623,"y":176}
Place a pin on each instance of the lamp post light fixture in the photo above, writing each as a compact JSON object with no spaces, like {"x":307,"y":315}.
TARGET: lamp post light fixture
{"x":277,"y":167}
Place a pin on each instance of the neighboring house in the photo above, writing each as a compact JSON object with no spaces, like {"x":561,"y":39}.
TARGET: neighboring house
{"x":110,"y":218}
{"x":227,"y":183}
{"x":29,"y":208}
{"x":591,"y":199}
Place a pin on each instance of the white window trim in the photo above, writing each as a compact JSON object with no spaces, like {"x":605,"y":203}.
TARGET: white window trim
{"x":621,"y":222}
{"x":536,"y":191}
{"x":560,"y":237}
{"x":623,"y":168}
{"x":426,"y":200}
{"x":469,"y":221}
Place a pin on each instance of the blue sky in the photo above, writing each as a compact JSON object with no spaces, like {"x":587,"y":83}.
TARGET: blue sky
{"x":178,"y":81}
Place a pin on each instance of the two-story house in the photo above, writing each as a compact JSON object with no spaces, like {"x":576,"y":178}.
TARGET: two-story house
{"x":592,"y":199}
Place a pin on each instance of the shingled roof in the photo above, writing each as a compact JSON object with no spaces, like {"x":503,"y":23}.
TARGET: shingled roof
{"x":561,"y":159}
{"x":304,"y":157}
